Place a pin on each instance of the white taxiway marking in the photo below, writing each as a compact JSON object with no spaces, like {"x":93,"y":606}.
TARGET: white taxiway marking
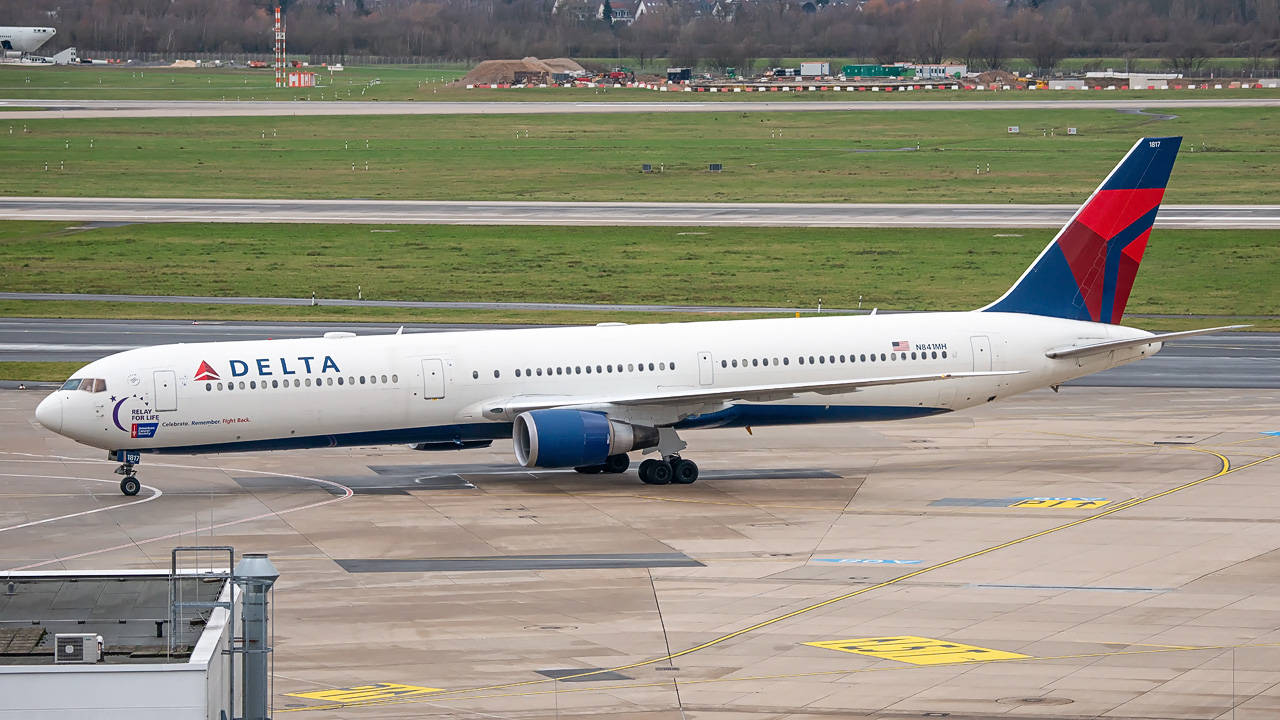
{"x":54,"y":458}
{"x":155,"y":494}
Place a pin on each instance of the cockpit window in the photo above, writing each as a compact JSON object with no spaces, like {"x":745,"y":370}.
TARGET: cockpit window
{"x":89,"y":385}
{"x":99,"y":385}
{"x":71,"y":384}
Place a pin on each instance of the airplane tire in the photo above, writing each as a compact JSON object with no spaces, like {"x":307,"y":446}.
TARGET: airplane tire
{"x":130,"y":485}
{"x":684,"y":472}
{"x":659,"y":472}
{"x":589,"y":469}
{"x":617,"y":463}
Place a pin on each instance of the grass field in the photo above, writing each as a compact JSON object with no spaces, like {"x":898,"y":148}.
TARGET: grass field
{"x":38,"y":371}
{"x":1185,"y":271}
{"x":1231,"y":156}
{"x":429,"y":83}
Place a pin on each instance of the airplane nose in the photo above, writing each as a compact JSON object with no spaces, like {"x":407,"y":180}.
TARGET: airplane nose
{"x":49,"y":413}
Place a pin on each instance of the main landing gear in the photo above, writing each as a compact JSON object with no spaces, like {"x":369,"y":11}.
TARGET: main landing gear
{"x":129,"y":485}
{"x":671,"y":470}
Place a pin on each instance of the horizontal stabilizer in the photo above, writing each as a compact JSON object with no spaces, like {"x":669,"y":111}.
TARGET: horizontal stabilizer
{"x":1072,"y":351}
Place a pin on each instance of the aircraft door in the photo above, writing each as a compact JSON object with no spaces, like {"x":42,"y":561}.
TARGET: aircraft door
{"x":433,"y":379}
{"x":706,"y":369}
{"x":981,"y":345}
{"x":166,"y":390}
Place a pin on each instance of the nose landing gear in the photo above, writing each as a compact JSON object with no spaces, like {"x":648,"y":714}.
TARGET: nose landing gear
{"x":129,"y":485}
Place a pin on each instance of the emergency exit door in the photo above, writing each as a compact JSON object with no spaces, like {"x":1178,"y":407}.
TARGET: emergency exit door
{"x":981,"y":346}
{"x":706,"y":369}
{"x":432,"y":379}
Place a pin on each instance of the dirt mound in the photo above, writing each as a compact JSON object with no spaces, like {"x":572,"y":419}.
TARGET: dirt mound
{"x":997,"y":77}
{"x":563,"y":65}
{"x":491,"y":72}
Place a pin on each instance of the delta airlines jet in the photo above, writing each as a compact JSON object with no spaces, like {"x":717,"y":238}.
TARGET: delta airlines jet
{"x":585,"y":397}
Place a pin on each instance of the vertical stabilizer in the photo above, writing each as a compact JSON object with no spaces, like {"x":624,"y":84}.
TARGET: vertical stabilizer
{"x":1088,"y":270}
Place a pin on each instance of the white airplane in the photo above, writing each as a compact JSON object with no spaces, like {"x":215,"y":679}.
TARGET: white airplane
{"x":584,"y":397}
{"x":25,"y":39}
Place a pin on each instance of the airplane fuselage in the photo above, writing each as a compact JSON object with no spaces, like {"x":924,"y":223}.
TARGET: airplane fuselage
{"x":25,"y":39}
{"x":448,"y":387}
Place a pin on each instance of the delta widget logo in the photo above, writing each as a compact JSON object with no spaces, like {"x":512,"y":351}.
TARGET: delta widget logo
{"x":206,"y":372}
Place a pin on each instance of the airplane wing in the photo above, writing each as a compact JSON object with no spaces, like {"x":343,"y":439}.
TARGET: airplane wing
{"x":511,"y":407}
{"x":1071,"y":351}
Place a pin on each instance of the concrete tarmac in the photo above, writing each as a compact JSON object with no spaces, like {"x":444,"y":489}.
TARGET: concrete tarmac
{"x":1100,"y":552}
{"x":1234,"y":360}
{"x":242,"y":108}
{"x":139,"y":210}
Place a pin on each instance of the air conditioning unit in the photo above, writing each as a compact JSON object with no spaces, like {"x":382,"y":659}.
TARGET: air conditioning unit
{"x":77,"y":648}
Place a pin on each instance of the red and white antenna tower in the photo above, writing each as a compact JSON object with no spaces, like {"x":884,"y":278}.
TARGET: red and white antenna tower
{"x":281,"y":80}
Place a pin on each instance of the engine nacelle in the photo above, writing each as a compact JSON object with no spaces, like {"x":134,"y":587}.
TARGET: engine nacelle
{"x":559,"y":438}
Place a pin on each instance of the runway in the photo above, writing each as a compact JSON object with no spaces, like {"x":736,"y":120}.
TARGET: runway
{"x":1093,"y":553}
{"x":148,"y":210}
{"x":243,"y":108}
{"x":1235,"y":360}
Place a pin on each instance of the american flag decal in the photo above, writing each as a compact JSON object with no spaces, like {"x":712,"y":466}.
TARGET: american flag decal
{"x":901,"y":345}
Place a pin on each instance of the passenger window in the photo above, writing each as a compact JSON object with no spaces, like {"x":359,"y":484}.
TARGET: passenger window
{"x":339,"y":382}
{"x":631,"y":368}
{"x":800,"y":359}
{"x":219,"y":386}
{"x":786,"y":361}
{"x":775,"y":361}
{"x":384,"y":377}
{"x":735,"y":363}
{"x":662,"y":366}
{"x":873,"y":357}
{"x":495,"y":374}
{"x":944,"y":354}
{"x":559,"y":371}
{"x":882,"y":357}
{"x":810,"y":359}
{"x":297,"y":382}
{"x":651,"y":367}
{"x":473,"y":375}
{"x":672,"y":366}
{"x":208,"y":386}
{"x":832,"y":359}
{"x":934,"y":355}
{"x":351,"y":380}
{"x":755,"y":362}
{"x":822,"y":359}
{"x":841,"y":358}
{"x":597,"y":369}
{"x":893,"y":356}
{"x":71,"y":384}
{"x":253,"y":384}
{"x":724,"y":363}
{"x":517,"y":372}
{"x":863,"y":358}
{"x":609,"y":368}
{"x":307,"y":382}
{"x":330,"y":382}
{"x":588,"y":369}
{"x":913,"y":356}
{"x":241,"y":384}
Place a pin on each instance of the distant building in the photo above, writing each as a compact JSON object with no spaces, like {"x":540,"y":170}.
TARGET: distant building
{"x":621,"y":15}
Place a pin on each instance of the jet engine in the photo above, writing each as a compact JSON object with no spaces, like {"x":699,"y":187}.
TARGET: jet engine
{"x":558,"y":438}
